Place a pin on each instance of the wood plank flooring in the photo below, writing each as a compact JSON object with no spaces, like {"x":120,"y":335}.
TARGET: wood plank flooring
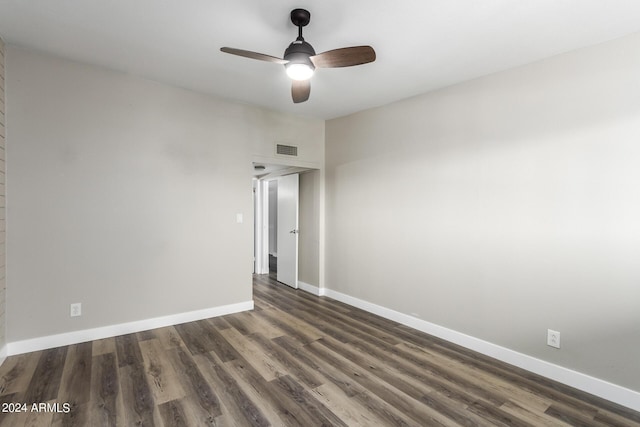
{"x":296,"y":360}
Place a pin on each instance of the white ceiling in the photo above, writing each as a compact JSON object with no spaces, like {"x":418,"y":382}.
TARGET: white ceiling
{"x":421,"y":44}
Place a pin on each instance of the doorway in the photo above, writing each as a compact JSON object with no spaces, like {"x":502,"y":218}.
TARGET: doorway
{"x":309,"y":261}
{"x":280,"y":203}
{"x":276,"y":203}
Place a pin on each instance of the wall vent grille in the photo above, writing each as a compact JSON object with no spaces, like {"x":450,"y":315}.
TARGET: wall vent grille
{"x":286,"y":150}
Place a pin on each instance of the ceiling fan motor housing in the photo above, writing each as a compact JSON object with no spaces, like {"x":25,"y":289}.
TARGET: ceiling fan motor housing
{"x":299,"y":52}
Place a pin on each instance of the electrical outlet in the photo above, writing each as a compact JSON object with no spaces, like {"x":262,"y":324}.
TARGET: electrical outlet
{"x":553,"y":338}
{"x":76,"y":309}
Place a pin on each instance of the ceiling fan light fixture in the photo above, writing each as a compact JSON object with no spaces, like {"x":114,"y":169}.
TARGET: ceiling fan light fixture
{"x":299,"y":71}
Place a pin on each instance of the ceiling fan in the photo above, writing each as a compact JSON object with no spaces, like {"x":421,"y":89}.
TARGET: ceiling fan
{"x":300,"y":60}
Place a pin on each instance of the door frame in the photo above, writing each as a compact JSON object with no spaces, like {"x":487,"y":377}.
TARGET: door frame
{"x":261,"y":227}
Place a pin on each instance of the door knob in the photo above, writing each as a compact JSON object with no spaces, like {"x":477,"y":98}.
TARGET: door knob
{"x":294,"y":232}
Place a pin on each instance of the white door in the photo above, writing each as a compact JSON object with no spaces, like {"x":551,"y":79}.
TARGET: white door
{"x":288,"y":230}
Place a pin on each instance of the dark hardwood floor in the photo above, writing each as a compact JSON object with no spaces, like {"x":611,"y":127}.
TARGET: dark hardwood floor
{"x":296,"y":360}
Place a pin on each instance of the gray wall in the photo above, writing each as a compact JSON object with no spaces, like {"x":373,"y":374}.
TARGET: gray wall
{"x":502,"y":207}
{"x":123,"y":194}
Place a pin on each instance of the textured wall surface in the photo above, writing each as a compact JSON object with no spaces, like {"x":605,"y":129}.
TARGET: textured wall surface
{"x":502,"y":207}
{"x":124,"y":195}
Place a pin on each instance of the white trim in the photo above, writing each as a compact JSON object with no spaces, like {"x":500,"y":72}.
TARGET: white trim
{"x":75,"y":337}
{"x":595,"y":386}
{"x":310,"y":288}
{"x":261,"y":227}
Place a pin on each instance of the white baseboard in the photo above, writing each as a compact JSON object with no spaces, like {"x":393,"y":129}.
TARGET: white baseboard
{"x":586,"y":383}
{"x":311,"y":288}
{"x":75,"y":337}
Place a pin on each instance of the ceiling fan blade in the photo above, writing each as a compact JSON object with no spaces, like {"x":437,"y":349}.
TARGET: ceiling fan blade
{"x":344,"y":57}
{"x":253,"y":55}
{"x":300,"y":90}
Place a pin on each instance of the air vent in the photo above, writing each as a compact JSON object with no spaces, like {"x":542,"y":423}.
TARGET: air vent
{"x":286,"y":150}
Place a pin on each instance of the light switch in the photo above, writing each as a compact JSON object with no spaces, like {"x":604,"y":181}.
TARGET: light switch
{"x":239,"y":218}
